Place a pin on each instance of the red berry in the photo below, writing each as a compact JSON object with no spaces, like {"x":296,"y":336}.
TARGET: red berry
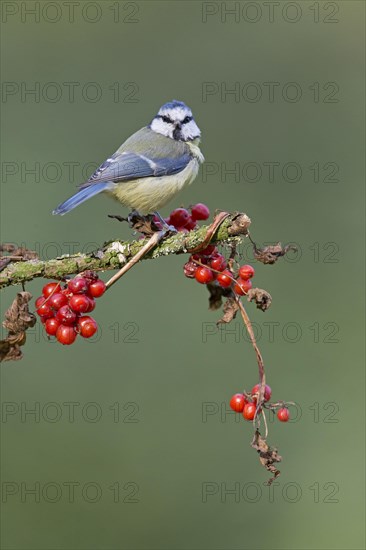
{"x":283,"y":414}
{"x":237,"y":402}
{"x":97,"y":288}
{"x":198,"y":258}
{"x":200,"y":211}
{"x":52,"y":325}
{"x":78,"y":285}
{"x":84,"y":319}
{"x":267,"y":392}
{"x":158,"y":223}
{"x":204,"y":275}
{"x":66,"y":292}
{"x":225,"y":279}
{"x":210,"y":250}
{"x":242,"y":286}
{"x":246,"y":272}
{"x":218,"y":262}
{"x":66,"y":335}
{"x":191,"y":224}
{"x":87,"y":326}
{"x":238,"y":288}
{"x":50,"y":288}
{"x":190,"y":269}
{"x":43,"y":308}
{"x":91,"y":305}
{"x":41,"y":300}
{"x":79,"y":303}
{"x":66,"y":316}
{"x":90,"y":276}
{"x":179,"y":217}
{"x":57,"y":300}
{"x":249,"y":411}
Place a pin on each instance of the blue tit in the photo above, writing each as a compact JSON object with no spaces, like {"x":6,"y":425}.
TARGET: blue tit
{"x":151,"y":166}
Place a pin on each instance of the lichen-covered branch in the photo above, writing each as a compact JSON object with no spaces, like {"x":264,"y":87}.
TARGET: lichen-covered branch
{"x":115,"y":254}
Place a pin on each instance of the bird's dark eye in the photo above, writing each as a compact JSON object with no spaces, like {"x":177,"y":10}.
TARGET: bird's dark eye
{"x":187,"y":119}
{"x":167,"y":119}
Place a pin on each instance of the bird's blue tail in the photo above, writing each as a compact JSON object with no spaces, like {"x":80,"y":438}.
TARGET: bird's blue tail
{"x":82,"y":196}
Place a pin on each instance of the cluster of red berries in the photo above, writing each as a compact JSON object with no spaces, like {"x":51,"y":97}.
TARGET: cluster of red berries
{"x":209,"y":265}
{"x":247,"y":404}
{"x":62,"y":309}
{"x":182,"y":220}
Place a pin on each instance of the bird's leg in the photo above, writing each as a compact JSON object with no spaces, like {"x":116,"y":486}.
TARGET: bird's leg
{"x":164,"y":224}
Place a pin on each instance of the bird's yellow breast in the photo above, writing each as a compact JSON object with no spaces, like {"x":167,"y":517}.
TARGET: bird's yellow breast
{"x":149,"y":194}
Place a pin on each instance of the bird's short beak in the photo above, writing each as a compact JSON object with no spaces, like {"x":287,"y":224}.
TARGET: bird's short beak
{"x":177,"y":131}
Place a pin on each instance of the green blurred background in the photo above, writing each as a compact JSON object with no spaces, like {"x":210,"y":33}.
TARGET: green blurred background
{"x":150,"y":451}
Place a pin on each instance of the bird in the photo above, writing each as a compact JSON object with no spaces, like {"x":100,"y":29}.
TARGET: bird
{"x":150,"y":167}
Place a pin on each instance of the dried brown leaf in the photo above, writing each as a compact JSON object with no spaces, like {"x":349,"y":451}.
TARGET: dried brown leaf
{"x":17,"y":320}
{"x":20,"y":252}
{"x":12,"y":253}
{"x":268,"y":456}
{"x":239,"y":225}
{"x":142,"y":224}
{"x":270,"y":254}
{"x":261,"y":297}
{"x":230,"y":310}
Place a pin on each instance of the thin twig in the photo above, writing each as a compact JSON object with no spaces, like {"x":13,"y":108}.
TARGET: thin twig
{"x":151,"y":243}
{"x":262,"y":374}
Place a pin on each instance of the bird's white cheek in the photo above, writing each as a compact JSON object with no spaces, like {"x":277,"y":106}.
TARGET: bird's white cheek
{"x":191,"y":130}
{"x":161,"y":127}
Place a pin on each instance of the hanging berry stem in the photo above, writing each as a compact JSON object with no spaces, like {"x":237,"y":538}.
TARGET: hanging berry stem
{"x":248,"y":324}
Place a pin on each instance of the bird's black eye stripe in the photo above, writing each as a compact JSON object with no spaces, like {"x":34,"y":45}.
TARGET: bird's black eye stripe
{"x":166,"y":119}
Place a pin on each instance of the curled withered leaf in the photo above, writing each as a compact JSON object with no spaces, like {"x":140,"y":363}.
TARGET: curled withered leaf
{"x":142,"y":224}
{"x":10,"y":347}
{"x":239,"y":225}
{"x":17,"y":320}
{"x":13,"y":253}
{"x":270,"y":254}
{"x":261,"y":297}
{"x":18,"y":317}
{"x":7,"y":247}
{"x":230,"y":309}
{"x":268,"y":456}
{"x":18,"y":251}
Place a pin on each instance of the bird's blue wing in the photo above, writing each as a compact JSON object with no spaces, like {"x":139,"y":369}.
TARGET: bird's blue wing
{"x":123,"y":167}
{"x":129,"y":166}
